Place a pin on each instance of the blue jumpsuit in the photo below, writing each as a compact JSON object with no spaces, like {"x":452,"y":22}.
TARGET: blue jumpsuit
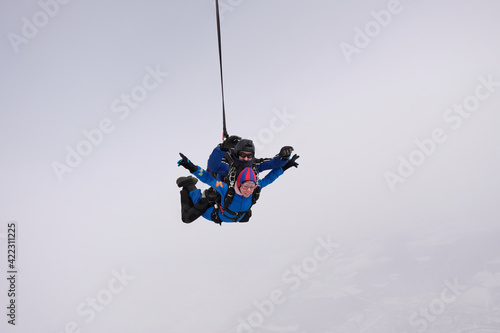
{"x":216,"y":165}
{"x":239,"y":203}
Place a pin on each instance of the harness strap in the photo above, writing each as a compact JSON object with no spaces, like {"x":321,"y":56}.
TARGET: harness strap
{"x":228,"y":199}
{"x":215,"y":215}
{"x":216,"y":218}
{"x":237,"y":215}
{"x":227,"y":202}
{"x":256,"y":195}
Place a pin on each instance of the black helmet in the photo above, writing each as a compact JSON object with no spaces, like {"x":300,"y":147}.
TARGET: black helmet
{"x":244,"y":145}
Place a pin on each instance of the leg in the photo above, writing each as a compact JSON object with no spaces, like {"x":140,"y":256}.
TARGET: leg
{"x":191,"y":211}
{"x":193,"y":205}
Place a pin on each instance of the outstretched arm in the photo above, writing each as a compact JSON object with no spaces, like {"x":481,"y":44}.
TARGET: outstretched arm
{"x":264,"y":164}
{"x":201,"y":174}
{"x":277,"y":162}
{"x":270,"y":177}
{"x":275,"y":173}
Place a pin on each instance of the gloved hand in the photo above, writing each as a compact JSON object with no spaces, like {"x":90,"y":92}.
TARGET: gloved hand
{"x":230,"y":142}
{"x":291,"y":163}
{"x":185,"y":162}
{"x":285,"y":153}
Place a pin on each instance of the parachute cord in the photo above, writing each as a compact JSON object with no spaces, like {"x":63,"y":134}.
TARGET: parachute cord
{"x":224,"y":130}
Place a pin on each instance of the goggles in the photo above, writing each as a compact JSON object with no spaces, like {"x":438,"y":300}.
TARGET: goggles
{"x":245,"y":155}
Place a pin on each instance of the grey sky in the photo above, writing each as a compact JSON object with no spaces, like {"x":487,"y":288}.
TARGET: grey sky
{"x":392,"y":106}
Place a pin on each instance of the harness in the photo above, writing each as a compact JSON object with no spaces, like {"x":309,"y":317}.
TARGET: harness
{"x":230,"y":179}
{"x":228,"y":199}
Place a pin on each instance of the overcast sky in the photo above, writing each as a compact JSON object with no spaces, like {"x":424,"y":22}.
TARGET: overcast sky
{"x":391,"y":105}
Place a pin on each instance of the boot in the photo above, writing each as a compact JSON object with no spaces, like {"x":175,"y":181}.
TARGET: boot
{"x":188,"y":183}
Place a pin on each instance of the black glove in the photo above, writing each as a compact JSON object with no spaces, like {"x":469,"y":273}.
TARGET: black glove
{"x":285,"y":153}
{"x":230,"y":142}
{"x":291,"y":163}
{"x":185,"y":162}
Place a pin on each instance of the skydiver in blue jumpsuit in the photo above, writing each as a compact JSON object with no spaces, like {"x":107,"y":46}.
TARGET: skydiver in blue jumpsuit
{"x":231,"y":156}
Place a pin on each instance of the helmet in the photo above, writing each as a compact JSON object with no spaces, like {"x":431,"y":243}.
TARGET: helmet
{"x":244,"y":145}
